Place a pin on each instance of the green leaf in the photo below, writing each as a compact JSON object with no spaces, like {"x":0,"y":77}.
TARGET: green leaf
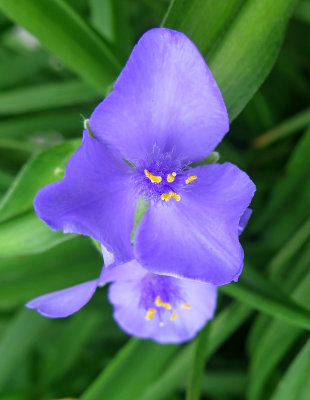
{"x":23,"y":278}
{"x":66,"y":34}
{"x":20,"y":337}
{"x":27,"y":234}
{"x":245,"y":53}
{"x":290,"y":249}
{"x":223,"y":325}
{"x":41,"y":126}
{"x":211,"y":159}
{"x":198,"y":365}
{"x":45,"y":96}
{"x":289,"y":278}
{"x":276,"y":340}
{"x":296,"y":377}
{"x":285,"y":190}
{"x":41,"y":170}
{"x":201,"y":20}
{"x":133,"y":369}
{"x":11,"y":73}
{"x":110,"y":17}
{"x":5,"y":180}
{"x":78,"y":331}
{"x":291,"y":126}
{"x":302,"y":11}
{"x":140,"y":210}
{"x":259,"y":293}
{"x":18,"y":145}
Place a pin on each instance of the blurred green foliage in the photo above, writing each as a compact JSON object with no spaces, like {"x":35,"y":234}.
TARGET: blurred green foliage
{"x":257,"y":346}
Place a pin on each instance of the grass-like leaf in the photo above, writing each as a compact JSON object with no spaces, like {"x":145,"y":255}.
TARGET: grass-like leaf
{"x":66,"y":34}
{"x":146,"y":360}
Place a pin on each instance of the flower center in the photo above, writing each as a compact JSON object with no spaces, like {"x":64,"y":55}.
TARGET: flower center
{"x":162,"y":177}
{"x":161,"y":298}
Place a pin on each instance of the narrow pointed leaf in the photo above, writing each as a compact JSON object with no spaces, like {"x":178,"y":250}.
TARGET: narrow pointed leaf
{"x":257,"y":292}
{"x":244,"y":54}
{"x":42,"y":169}
{"x":49,"y":95}
{"x":27,"y":234}
{"x":146,"y":360}
{"x":20,"y":337}
{"x":66,"y":34}
{"x":223,"y":325}
{"x":296,"y":377}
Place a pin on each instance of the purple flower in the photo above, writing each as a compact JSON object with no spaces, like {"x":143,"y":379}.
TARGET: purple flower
{"x":162,"y":308}
{"x":165,"y":112}
{"x":146,"y":305}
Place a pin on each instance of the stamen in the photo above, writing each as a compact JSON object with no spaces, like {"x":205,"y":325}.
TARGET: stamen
{"x":152,"y":178}
{"x":150,"y":313}
{"x":174,"y":314}
{"x":175,"y":195}
{"x":191,"y":179}
{"x":159,"y":303}
{"x":170,"y":177}
{"x":186,"y":305}
{"x":161,"y":324}
{"x":167,"y":196}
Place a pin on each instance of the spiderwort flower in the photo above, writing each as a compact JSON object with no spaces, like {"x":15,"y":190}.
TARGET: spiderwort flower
{"x":165,"y":112}
{"x":162,"y":308}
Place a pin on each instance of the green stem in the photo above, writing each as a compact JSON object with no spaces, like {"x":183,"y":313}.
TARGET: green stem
{"x":196,"y":373}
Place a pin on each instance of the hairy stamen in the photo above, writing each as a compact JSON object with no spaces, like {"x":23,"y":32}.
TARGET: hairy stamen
{"x":191,"y":179}
{"x":150,"y":313}
{"x":170,"y":177}
{"x":160,"y":303}
{"x":152,"y":178}
{"x":167,"y":196}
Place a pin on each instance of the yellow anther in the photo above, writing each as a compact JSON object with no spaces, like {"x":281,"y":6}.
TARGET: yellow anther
{"x":170,"y":177}
{"x":175,"y":195}
{"x":161,"y":324}
{"x":191,"y":179}
{"x":150,"y":313}
{"x":166,"y":196}
{"x":152,"y":178}
{"x":185,"y":305}
{"x":174,"y":314}
{"x":160,"y":303}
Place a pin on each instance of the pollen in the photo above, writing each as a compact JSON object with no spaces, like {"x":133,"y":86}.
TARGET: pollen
{"x":186,"y":305}
{"x":167,"y":196}
{"x":170,"y":177}
{"x":161,"y":324}
{"x":175,"y":195}
{"x":160,"y":303}
{"x":150,"y":313}
{"x":174,"y":314}
{"x":191,"y":179}
{"x":152,"y":178}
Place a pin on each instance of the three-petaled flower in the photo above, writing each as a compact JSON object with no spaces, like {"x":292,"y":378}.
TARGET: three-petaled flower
{"x":165,"y":113}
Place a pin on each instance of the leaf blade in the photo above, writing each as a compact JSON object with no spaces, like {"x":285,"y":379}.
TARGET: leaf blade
{"x":66,"y":34}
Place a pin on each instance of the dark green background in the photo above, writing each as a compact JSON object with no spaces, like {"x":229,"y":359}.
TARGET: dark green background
{"x":257,"y":346}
